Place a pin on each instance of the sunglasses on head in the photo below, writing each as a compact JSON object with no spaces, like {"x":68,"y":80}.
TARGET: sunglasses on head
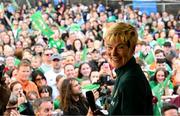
{"x":39,"y":79}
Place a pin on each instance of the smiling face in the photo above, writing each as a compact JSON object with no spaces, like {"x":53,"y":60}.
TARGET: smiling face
{"x":45,"y":109}
{"x":24,"y":73}
{"x":85,"y":70}
{"x":120,"y":42}
{"x":160,"y":76}
{"x":69,"y":71}
{"x":118,"y":53}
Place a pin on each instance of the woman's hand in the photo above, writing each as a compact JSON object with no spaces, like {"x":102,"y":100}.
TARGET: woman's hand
{"x":21,"y":98}
{"x":96,"y":94}
{"x":14,"y":113}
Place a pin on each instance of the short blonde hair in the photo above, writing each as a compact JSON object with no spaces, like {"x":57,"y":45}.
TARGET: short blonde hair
{"x":122,"y":32}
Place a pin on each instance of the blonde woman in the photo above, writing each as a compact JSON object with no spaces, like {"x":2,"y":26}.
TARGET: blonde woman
{"x":131,"y":94}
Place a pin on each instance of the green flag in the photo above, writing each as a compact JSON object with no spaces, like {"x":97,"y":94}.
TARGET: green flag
{"x":75,"y":27}
{"x":90,"y":87}
{"x":149,"y":59}
{"x":40,"y":24}
{"x":141,"y":31}
{"x":151,"y":72}
{"x":84,"y":54}
{"x":161,"y":41}
{"x":16,"y":62}
{"x":153,"y":43}
{"x":62,"y":29}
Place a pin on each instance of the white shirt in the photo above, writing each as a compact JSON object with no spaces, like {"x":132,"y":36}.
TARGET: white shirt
{"x":51,"y":81}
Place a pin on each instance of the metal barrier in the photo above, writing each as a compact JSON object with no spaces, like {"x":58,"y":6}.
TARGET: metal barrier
{"x":172,"y":8}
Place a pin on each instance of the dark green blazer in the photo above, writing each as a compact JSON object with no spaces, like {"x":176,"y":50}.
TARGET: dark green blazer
{"x":131,"y":94}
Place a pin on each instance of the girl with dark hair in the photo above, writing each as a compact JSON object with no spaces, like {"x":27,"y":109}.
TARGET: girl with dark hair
{"x":38,"y":78}
{"x":159,"y":77}
{"x":72,"y":100}
{"x":77,"y":45}
{"x":45,"y":91}
{"x":84,"y":71}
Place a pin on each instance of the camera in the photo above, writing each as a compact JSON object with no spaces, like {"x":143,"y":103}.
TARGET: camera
{"x":105,"y":79}
{"x":104,"y":91}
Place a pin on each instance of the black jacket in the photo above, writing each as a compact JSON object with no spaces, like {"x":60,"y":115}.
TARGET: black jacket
{"x":131,"y":94}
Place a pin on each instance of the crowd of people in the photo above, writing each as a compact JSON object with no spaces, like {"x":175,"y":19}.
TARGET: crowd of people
{"x":50,"y":74}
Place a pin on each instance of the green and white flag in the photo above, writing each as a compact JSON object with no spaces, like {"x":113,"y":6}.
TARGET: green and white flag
{"x":75,"y":27}
{"x":150,"y":58}
{"x":84,"y":54}
{"x":90,"y":87}
{"x":40,"y":24}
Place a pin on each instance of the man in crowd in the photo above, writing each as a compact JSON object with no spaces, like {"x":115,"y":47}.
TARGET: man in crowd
{"x":169,"y":110}
{"x":24,"y":72}
{"x":43,"y":107}
{"x":46,"y":61}
{"x":53,"y":73}
{"x":69,"y":71}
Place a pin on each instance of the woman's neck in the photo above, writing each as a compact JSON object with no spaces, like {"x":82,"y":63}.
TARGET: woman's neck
{"x":76,"y":98}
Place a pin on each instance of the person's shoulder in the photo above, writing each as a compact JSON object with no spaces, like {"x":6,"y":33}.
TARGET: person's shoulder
{"x":48,"y":72}
{"x":31,"y":83}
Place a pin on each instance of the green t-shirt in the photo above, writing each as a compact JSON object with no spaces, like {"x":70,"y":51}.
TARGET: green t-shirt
{"x":59,"y":44}
{"x":56,"y":104}
{"x":154,"y":84}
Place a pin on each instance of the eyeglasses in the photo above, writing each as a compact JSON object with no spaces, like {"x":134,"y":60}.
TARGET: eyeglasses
{"x":48,"y":54}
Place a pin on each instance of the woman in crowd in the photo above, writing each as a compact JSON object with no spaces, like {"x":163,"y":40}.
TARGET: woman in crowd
{"x":94,"y":76}
{"x":159,"y":77}
{"x":24,"y":107}
{"x":77,"y":45}
{"x":38,"y":78}
{"x":45,"y":91}
{"x":84,"y":73}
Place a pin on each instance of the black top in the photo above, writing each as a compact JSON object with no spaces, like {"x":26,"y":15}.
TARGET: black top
{"x":131,"y":94}
{"x":79,"y":107}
